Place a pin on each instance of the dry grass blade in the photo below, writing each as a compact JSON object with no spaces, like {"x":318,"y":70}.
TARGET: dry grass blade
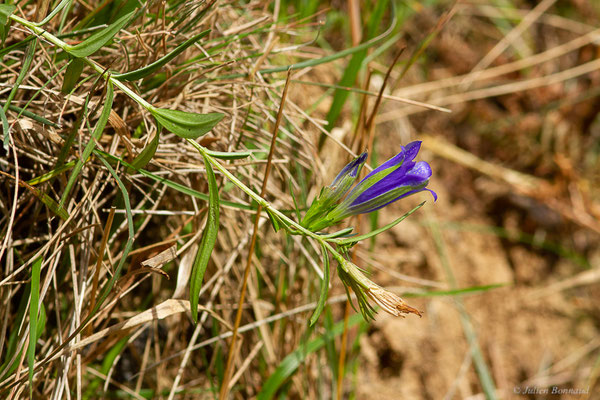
{"x":238,"y":317}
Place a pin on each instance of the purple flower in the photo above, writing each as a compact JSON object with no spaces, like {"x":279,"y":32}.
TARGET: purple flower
{"x":397,"y":178}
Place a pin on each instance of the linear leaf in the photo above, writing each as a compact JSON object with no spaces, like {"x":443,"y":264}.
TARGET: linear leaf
{"x":51,"y":174}
{"x":146,"y":155}
{"x":95,"y":42}
{"x":148,"y":69}
{"x":354,"y":239}
{"x":29,"y":114}
{"x":33,"y":316}
{"x":324,"y":288}
{"x":173,"y":185}
{"x":53,"y":13}
{"x":223,"y":155}
{"x":92,"y":143}
{"x":274,"y":220}
{"x":185,"y":124}
{"x":29,"y":54}
{"x":50,"y":203}
{"x":5,"y":128}
{"x":352,"y":69}
{"x":457,"y":292}
{"x":209,"y":237}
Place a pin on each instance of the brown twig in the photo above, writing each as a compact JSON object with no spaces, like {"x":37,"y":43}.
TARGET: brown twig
{"x":238,"y":317}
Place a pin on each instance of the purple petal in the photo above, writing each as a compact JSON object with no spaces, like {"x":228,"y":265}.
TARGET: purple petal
{"x":410,"y":174}
{"x":434,"y":194}
{"x":412,"y":149}
{"x":350,"y":168}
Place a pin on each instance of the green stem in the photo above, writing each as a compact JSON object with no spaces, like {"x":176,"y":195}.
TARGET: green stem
{"x":98,"y":68}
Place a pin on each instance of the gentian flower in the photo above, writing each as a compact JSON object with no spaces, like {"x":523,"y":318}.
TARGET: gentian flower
{"x":397,"y":178}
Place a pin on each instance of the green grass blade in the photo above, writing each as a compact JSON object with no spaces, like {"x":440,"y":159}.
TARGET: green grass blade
{"x":53,"y":13}
{"x":87,"y":151}
{"x":50,"y":203}
{"x":292,"y":361}
{"x":324,"y":289}
{"x":51,"y":174}
{"x":457,"y":292}
{"x":29,"y":114}
{"x":29,"y":54}
{"x":5,"y":12}
{"x":354,"y":66}
{"x":149,"y":69}
{"x":5,"y":128}
{"x":128,"y":245}
{"x":173,"y":185}
{"x":34,"y":298}
{"x":185,"y":124}
{"x":95,"y":42}
{"x":209,"y":238}
{"x":355,"y":239}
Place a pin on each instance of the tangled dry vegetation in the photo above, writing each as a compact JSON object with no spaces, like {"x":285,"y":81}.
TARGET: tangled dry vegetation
{"x":504,"y":265}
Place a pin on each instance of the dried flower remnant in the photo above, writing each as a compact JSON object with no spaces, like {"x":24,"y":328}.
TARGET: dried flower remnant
{"x":389,"y":302}
{"x":365,"y":289}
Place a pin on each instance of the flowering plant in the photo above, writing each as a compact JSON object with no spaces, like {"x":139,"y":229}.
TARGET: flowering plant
{"x":398,"y":177}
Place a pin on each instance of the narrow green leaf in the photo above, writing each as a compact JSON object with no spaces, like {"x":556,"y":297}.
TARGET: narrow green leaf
{"x":92,"y":143}
{"x":95,"y":42}
{"x":5,"y":128}
{"x":185,"y":124}
{"x":173,"y":185}
{"x":324,"y":288}
{"x":29,"y":114}
{"x":209,"y":237}
{"x":33,"y":317}
{"x":274,"y":220}
{"x":53,"y":13}
{"x":72,"y":74}
{"x":130,"y":237}
{"x":351,"y":71}
{"x":457,"y":292}
{"x":146,"y":155}
{"x":223,"y":155}
{"x":148,"y":69}
{"x":338,"y":234}
{"x":50,"y":203}
{"x":51,"y":174}
{"x":29,"y":54}
{"x":355,"y":239}
{"x":296,"y":208}
{"x":292,"y":361}
{"x":6,"y":11}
